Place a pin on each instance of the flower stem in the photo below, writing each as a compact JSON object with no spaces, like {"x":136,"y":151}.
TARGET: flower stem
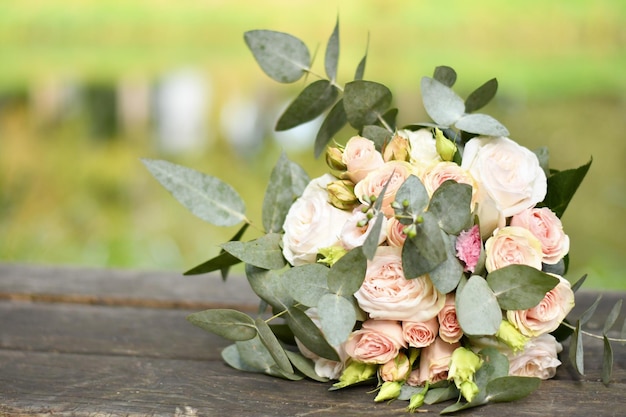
{"x":595,"y":336}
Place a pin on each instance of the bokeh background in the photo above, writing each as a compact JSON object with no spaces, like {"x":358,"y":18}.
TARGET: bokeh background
{"x":87,"y":88}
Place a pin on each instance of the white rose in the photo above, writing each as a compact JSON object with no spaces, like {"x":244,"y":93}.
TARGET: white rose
{"x":312,"y":223}
{"x":509,"y":172}
{"x":423,"y":148}
{"x":538,"y":358}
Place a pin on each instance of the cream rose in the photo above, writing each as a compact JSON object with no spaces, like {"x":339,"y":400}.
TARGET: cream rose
{"x":547,"y":227}
{"x":396,"y":369}
{"x":512,"y":245}
{"x":441,"y":172}
{"x":360,"y":157}
{"x":538,"y":359}
{"x":353,"y":235}
{"x":509,"y":172}
{"x":378,"y":341}
{"x":546,"y":316}
{"x":420,"y":334}
{"x":449,"y":328}
{"x":423,"y":148}
{"x":312,"y":223}
{"x":387,"y":294}
{"x":395,"y":234}
{"x":393,"y":174}
{"x":435,"y":361}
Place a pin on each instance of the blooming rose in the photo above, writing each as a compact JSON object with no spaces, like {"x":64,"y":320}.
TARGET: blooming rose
{"x":512,"y":245}
{"x":378,"y":341}
{"x":547,"y":227}
{"x":434,"y":362}
{"x":395,"y":234}
{"x":468,"y":247}
{"x":352,"y":235}
{"x":423,"y":148}
{"x":387,"y":294}
{"x":312,"y":223}
{"x":420,"y":334}
{"x":393,"y":174}
{"x":360,"y":157}
{"x":441,"y":172}
{"x":449,"y":328}
{"x":546,"y":316}
{"x":491,"y":218}
{"x":538,"y":358}
{"x":509,"y":172}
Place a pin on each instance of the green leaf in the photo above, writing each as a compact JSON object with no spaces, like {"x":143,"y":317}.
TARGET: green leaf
{"x":231,"y":356}
{"x":576,"y":352}
{"x":477,"y":308}
{"x":612,"y":317}
{"x":332,"y":53}
{"x":309,"y":334}
{"x":264,"y":252}
{"x":543,"y":155}
{"x":229,"y":324}
{"x":445,"y":75}
{"x":335,"y":120}
{"x":256,"y":356}
{"x":442,"y":104}
{"x":413,"y":192}
{"x":304,"y":365}
{"x":268,"y":286}
{"x":576,"y":286}
{"x":481,"y":96}
{"x":360,"y":69}
{"x":451,"y":203}
{"x":607,"y":361}
{"x":287,"y":182}
{"x":365,"y":102}
{"x":378,"y":135}
{"x":273,"y":346}
{"x":511,"y":388}
{"x":371,"y":241}
{"x":222,"y":261}
{"x":306,"y":283}
{"x":447,"y":275}
{"x":337,"y":317}
{"x":347,"y":274}
{"x":310,"y":103}
{"x":586,"y":316}
{"x":562,"y":186}
{"x":520,"y":287}
{"x":481,"y":124}
{"x":207,"y":197}
{"x":438,"y":395}
{"x":424,"y":252}
{"x":281,"y":56}
{"x":390,"y":118}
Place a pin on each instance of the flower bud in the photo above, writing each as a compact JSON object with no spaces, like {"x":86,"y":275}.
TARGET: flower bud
{"x":396,"y":369}
{"x":463,"y":364}
{"x":341,"y":194}
{"x":469,"y":390}
{"x":415,"y":402}
{"x":445,"y":147}
{"x":356,"y":372}
{"x":331,"y":254}
{"x":334,"y":159}
{"x":389,"y":390}
{"x":508,"y":334}
{"x":398,"y":149}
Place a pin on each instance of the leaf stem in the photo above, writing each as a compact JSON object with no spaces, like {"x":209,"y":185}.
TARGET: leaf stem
{"x":281,"y":313}
{"x":595,"y":336}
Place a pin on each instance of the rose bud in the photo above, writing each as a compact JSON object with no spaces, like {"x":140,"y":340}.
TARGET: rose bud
{"x":334,"y":159}
{"x":398,"y":149}
{"x":341,"y":194}
{"x":445,"y":147}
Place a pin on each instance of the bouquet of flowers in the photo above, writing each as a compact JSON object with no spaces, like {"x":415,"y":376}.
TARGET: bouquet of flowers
{"x":428,"y":261}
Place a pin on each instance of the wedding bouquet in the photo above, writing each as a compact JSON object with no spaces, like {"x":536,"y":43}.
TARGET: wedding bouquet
{"x":428,"y":261}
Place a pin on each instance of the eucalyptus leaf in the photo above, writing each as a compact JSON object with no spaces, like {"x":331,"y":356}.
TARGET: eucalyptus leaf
{"x":543,"y":155}
{"x":451,"y":204}
{"x":520,"y":287}
{"x":222,"y":261}
{"x":413,"y":192}
{"x":207,"y":197}
{"x":306,"y":283}
{"x":442,"y":104}
{"x":309,"y":334}
{"x":562,"y":186}
{"x":587,"y":314}
{"x":337,"y":317}
{"x":256,"y":356}
{"x":477,"y":308}
{"x":287,"y":182}
{"x":371,"y":241}
{"x":495,"y":365}
{"x":481,"y":96}
{"x":264,"y":252}
{"x":576,"y":286}
{"x":347,"y":274}
{"x":447,"y":275}
{"x":424,"y":252}
{"x":310,"y":103}
{"x":438,"y":395}
{"x":272,"y":345}
{"x":335,"y":120}
{"x":281,"y":56}
{"x":268,"y":286}
{"x":231,"y":356}
{"x":304,"y":365}
{"x":445,"y":75}
{"x":612,"y":317}
{"x":607,"y":361}
{"x":576,"y":352}
{"x":390,"y":118}
{"x":331,"y":59}
{"x":557,"y":268}
{"x":360,"y":69}
{"x":511,"y":388}
{"x":229,"y":324}
{"x":365,"y":102}
{"x":481,"y":124}
{"x":379,"y":135}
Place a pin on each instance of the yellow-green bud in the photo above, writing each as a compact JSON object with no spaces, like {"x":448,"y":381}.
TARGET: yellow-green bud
{"x":389,"y":390}
{"x":341,"y":194}
{"x":331,"y":254}
{"x":334,"y":159}
{"x":445,"y":147}
{"x":469,"y":390}
{"x":415,"y":402}
{"x":356,"y":372}
{"x":508,"y":334}
{"x":397,"y":149}
{"x":463,"y":365}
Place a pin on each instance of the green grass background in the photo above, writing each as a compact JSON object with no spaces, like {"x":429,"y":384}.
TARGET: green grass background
{"x":66,"y":198}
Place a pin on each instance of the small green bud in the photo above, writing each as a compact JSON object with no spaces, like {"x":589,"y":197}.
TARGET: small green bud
{"x":389,"y":390}
{"x":508,"y":334}
{"x":331,"y":254}
{"x":405,"y":203}
{"x":445,"y":147}
{"x":334,"y":159}
{"x":341,"y":194}
{"x":469,"y":390}
{"x":415,"y":402}
{"x":463,"y":365}
{"x":356,"y":372}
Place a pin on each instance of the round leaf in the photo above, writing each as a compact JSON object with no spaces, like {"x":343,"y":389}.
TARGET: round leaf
{"x":347,"y":274}
{"x":264,"y":252}
{"x":413,"y":192}
{"x":337,"y":317}
{"x":447,"y":275}
{"x":424,"y":252}
{"x":519,"y":287}
{"x":481,"y":96}
{"x":445,"y":75}
{"x":477,"y":308}
{"x":229,"y":324}
{"x":310,"y":103}
{"x":281,"y":56}
{"x":510,"y":388}
{"x":365,"y":102}
{"x":442,"y":104}
{"x":306,"y":283}
{"x":481,"y":124}
{"x":451,"y":203}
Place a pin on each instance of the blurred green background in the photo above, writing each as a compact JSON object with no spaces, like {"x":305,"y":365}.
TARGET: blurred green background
{"x":87,"y":88}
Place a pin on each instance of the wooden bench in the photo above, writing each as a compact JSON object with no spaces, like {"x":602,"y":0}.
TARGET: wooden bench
{"x":88,"y":342}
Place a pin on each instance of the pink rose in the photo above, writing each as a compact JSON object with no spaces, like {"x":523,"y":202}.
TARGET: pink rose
{"x":312,"y":223}
{"x":352,"y":235}
{"x":444,"y":171}
{"x":392,"y":173}
{"x":449,"y":329}
{"x":360,"y":157}
{"x":435,"y":362}
{"x":546,"y":227}
{"x":510,"y":173}
{"x":395,"y":233}
{"x":420,"y":334}
{"x":387,"y":294}
{"x":468,"y":247}
{"x":546,"y":316}
{"x":538,"y":359}
{"x":378,"y":341}
{"x":512,"y":245}
{"x":396,"y":369}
